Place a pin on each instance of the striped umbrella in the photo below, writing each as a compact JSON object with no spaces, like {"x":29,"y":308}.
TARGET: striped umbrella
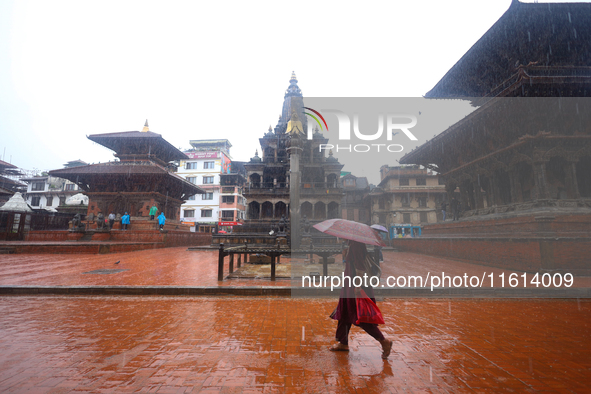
{"x":348,"y":229}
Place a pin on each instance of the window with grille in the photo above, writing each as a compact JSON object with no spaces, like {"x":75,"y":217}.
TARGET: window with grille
{"x":207,"y":196}
{"x":49,"y":202}
{"x":423,"y":202}
{"x":227,"y":214}
{"x":206,"y":213}
{"x":35,"y":201}
{"x":423,"y":217}
{"x":406,"y":217}
{"x":405,"y":200}
{"x":192,"y":179}
{"x":207,"y":180}
{"x":191,"y":165}
{"x":70,"y":186}
{"x":403,"y":182}
{"x":38,"y":186}
{"x":421,"y":181}
{"x":208,"y":165}
{"x":228,"y":199}
{"x":190,"y":214}
{"x":350,"y":214}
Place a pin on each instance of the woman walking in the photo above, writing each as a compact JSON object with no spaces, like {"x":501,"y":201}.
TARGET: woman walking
{"x":357,"y":264}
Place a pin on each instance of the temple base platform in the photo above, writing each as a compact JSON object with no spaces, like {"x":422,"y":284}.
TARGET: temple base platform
{"x":96,"y":241}
{"x":540,"y":242}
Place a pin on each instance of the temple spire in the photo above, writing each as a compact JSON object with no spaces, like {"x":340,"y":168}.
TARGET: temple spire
{"x":293,"y":77}
{"x":146,"y":127}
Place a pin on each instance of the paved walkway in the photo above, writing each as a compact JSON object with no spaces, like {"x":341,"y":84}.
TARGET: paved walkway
{"x":181,"y":267}
{"x":158,"y":344}
{"x":279,"y":345}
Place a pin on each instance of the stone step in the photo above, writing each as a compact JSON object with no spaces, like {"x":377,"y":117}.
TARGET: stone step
{"x":7,"y":250}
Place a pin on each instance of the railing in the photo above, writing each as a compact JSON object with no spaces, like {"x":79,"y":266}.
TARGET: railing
{"x":320,"y":185}
{"x":281,"y":187}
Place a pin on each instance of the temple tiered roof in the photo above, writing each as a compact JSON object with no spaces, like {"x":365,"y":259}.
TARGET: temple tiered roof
{"x":549,"y":42}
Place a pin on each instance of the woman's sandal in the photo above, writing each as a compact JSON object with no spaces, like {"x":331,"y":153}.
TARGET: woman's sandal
{"x":387,"y":348}
{"x":339,"y":347}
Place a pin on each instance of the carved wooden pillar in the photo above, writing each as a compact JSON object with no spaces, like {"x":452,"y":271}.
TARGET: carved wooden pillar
{"x":478,"y":197}
{"x":494,"y":191}
{"x":572,"y":187}
{"x":540,"y":180}
{"x":449,"y":188}
{"x":516,"y":195}
{"x":464,"y":197}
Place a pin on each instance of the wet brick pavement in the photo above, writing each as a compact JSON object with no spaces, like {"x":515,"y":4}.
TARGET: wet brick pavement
{"x":280,"y":345}
{"x":180,"y":267}
{"x":118,"y":344}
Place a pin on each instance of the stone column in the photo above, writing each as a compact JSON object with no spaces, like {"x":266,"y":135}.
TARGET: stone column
{"x":295,"y":149}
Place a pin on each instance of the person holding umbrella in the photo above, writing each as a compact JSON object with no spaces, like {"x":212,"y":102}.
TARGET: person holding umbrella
{"x":358,"y":263}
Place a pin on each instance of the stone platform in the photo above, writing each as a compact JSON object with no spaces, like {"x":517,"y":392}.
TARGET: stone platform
{"x":65,"y":241}
{"x":543,"y":243}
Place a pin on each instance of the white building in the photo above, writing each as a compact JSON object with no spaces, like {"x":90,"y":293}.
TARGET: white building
{"x":50,"y":192}
{"x":208,"y":159}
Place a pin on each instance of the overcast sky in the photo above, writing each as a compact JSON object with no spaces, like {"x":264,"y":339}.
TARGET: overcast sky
{"x":207,"y":69}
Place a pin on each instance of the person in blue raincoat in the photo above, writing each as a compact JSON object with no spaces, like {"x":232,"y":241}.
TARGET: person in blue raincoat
{"x":124,"y":221}
{"x":161,"y":220}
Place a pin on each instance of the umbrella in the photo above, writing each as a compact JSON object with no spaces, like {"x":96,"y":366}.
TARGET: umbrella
{"x":348,"y":229}
{"x":379,"y":228}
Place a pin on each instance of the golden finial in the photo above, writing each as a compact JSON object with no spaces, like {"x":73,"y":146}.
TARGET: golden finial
{"x":293,"y":77}
{"x":270,"y":129}
{"x":294,"y":126}
{"x":146,"y":127}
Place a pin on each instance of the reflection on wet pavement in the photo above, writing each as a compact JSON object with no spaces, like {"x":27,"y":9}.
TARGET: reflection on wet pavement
{"x":121,"y":344}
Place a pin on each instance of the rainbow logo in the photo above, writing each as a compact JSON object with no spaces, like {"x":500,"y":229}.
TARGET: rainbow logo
{"x":316,"y":119}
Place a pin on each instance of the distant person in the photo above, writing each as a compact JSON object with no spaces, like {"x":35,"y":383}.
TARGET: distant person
{"x":111,"y":220}
{"x":124,"y":221}
{"x":455,"y":208}
{"x":161,"y":220}
{"x":443,"y":209}
{"x":153,"y":211}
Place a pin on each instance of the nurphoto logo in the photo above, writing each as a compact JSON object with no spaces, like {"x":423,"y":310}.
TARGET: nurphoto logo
{"x":393,"y":124}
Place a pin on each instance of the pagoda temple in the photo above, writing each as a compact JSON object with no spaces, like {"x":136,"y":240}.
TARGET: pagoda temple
{"x":521,"y":160}
{"x":143,"y":176}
